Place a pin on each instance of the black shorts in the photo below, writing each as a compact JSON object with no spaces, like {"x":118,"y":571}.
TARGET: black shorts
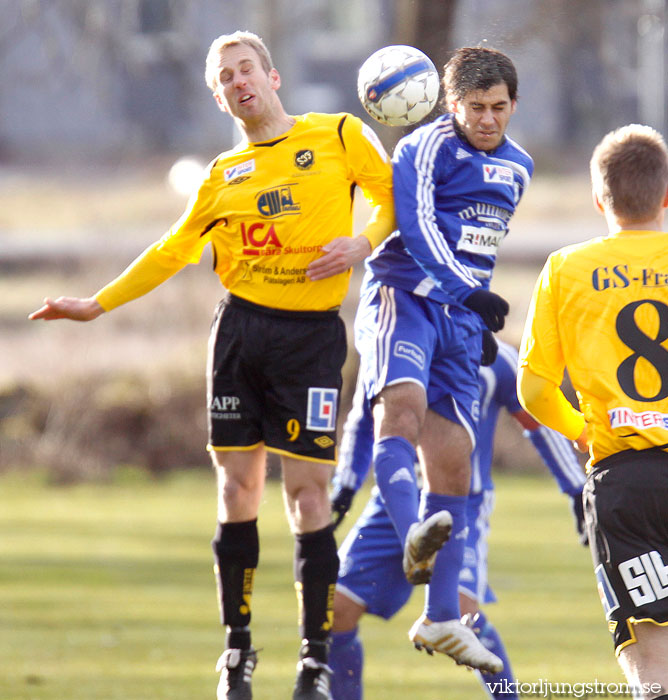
{"x":274,"y":377}
{"x":626,"y":513}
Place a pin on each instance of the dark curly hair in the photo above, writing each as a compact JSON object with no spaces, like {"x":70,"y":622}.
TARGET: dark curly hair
{"x":478,"y":68}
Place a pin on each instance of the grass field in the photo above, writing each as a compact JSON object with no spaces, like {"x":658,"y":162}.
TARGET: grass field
{"x":107,"y":593}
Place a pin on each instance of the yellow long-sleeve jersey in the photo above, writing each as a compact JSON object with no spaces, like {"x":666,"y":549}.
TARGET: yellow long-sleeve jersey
{"x":600,"y":309}
{"x":267,"y":209}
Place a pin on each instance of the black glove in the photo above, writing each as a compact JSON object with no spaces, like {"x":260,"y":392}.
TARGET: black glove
{"x":489,"y":348}
{"x":489,"y":306}
{"x":341,"y":499}
{"x":578,"y":516}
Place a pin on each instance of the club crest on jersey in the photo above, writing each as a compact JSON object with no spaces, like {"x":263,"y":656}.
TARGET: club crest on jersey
{"x":304,"y":159}
{"x":235,"y":171}
{"x":321,"y":410}
{"x":277,"y":201}
{"x":499,"y":174}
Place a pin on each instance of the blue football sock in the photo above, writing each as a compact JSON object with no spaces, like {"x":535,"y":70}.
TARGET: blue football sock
{"x":394,"y":465}
{"x":442,"y":595}
{"x":346,"y":659}
{"x":500,"y":686}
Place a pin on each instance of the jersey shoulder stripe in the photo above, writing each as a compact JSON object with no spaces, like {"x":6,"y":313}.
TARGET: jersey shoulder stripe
{"x":425,"y":159}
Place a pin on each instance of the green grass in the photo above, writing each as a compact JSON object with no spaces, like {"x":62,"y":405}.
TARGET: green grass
{"x":106,"y":591}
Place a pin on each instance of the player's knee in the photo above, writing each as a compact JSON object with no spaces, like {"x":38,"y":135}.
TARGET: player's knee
{"x":400,"y":421}
{"x":346,"y":613}
{"x":308,"y":508}
{"x":400,"y":411}
{"x":234,"y":491}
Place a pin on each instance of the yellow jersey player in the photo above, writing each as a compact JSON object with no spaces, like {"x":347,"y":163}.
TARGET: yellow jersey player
{"x":600,"y":310}
{"x":277,"y":211}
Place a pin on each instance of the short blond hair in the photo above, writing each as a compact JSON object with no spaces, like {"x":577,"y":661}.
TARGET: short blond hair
{"x":629,"y":172}
{"x":224,"y":41}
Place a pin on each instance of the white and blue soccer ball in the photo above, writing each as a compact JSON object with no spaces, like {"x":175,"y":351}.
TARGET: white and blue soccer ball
{"x":398,"y":85}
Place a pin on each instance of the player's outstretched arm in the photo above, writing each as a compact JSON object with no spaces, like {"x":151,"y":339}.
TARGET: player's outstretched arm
{"x":339,"y":255}
{"x":74,"y":308}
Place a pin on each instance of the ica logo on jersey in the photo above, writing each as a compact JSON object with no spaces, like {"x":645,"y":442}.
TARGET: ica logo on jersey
{"x":277,"y":201}
{"x":258,"y":236}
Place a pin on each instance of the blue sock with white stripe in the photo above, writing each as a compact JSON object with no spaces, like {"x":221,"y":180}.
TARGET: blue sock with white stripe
{"x":495,"y":684}
{"x":394,"y":465}
{"x":442,"y":595}
{"x":346,"y":659}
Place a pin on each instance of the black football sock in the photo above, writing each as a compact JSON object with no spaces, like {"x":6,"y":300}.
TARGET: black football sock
{"x":236,"y":551}
{"x":316,"y":569}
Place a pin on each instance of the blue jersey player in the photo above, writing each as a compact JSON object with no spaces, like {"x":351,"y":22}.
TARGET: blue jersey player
{"x":371,"y":577}
{"x":426,"y":316}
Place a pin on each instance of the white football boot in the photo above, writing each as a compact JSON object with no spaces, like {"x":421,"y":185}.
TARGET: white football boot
{"x":236,"y":667}
{"x":423,"y":542}
{"x":457,"y":641}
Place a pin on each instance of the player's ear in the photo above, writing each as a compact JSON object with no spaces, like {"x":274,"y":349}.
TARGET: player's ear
{"x":451,"y":102}
{"x":513,"y":106}
{"x":274,"y":79}
{"x":222,"y":104}
{"x":597,"y":202}
{"x":665,"y":200}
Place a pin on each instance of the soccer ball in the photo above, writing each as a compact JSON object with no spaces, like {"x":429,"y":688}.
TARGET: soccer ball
{"x":398,"y":85}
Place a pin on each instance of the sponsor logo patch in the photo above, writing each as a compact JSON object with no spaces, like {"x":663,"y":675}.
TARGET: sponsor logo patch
{"x":608,"y":598}
{"x":410,"y":352}
{"x":225,"y":407}
{"x":321,"y":410}
{"x":499,"y":174}
{"x":235,"y":171}
{"x":277,"y":201}
{"x":628,"y":418}
{"x":258,"y":236}
{"x":324,"y":441}
{"x":645,"y":578}
{"x":480,"y":240}
{"x":239,"y":180}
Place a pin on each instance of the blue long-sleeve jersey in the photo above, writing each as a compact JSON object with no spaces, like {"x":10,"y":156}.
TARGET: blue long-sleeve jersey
{"x":452,"y":204}
{"x":497,"y":391}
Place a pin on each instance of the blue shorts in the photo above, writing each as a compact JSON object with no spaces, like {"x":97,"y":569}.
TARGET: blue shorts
{"x":402,"y":337}
{"x":371,"y":571}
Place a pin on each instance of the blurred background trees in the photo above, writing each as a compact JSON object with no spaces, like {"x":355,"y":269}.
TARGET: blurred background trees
{"x":99,"y":98}
{"x":99,"y":77}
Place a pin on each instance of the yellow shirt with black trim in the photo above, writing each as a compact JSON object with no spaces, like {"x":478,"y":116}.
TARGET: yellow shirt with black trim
{"x":600,"y":308}
{"x":268,"y":208}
